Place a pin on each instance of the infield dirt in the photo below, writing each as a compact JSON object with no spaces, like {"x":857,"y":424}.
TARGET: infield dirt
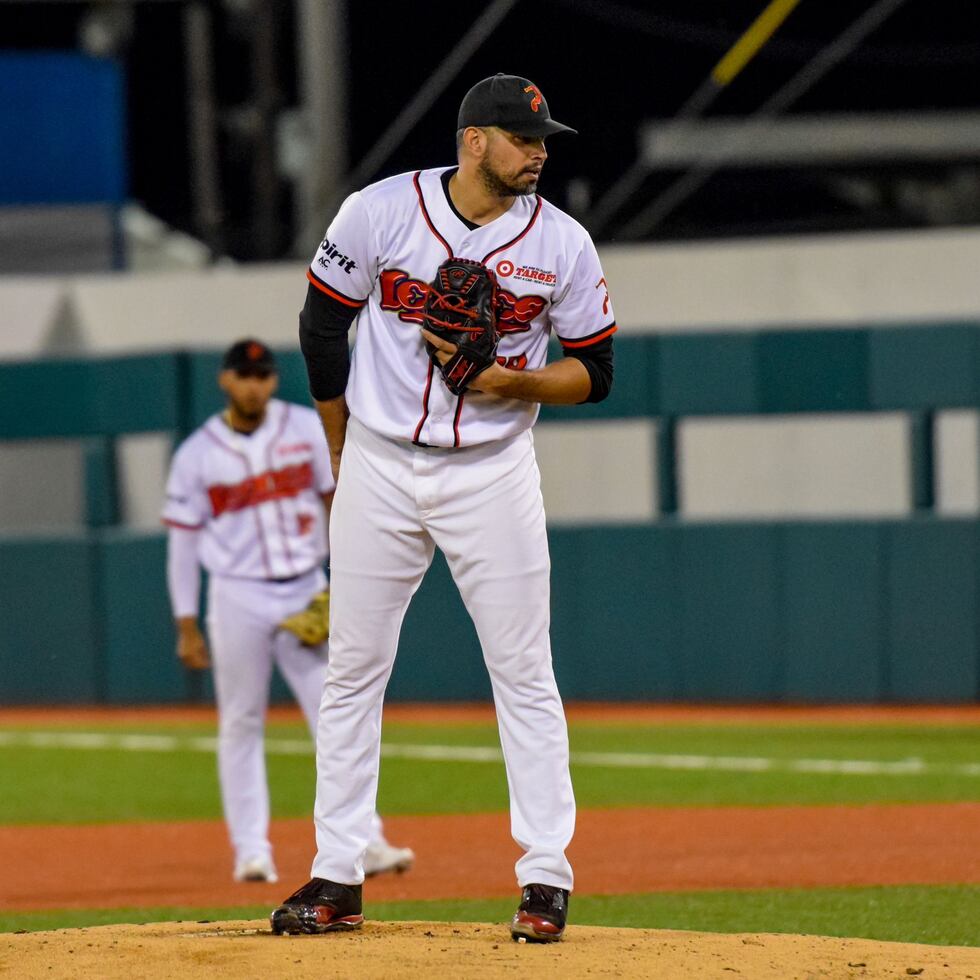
{"x":635,"y":849}
{"x":248,"y":951}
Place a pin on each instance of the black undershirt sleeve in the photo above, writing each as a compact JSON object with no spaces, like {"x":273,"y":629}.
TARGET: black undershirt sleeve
{"x":598,"y":361}
{"x":324,"y":324}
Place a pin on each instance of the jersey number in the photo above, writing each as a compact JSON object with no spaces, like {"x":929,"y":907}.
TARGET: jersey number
{"x":605,"y":298}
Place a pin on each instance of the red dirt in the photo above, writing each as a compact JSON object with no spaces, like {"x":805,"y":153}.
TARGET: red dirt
{"x":614,"y":851}
{"x":479,"y":713}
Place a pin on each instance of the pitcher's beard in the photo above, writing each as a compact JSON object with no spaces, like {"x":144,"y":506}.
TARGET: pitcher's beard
{"x":498,"y":187}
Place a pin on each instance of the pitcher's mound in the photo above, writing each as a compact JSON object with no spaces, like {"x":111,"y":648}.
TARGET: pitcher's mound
{"x":248,"y":951}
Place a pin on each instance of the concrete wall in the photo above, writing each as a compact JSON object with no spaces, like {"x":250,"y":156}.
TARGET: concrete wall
{"x":829,"y":279}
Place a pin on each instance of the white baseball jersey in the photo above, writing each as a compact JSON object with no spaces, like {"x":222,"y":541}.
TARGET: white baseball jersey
{"x":379,"y":253}
{"x":256,"y":498}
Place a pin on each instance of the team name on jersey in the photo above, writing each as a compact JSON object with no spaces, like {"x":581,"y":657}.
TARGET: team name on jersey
{"x":271,"y":485}
{"x":331,"y":252}
{"x":402,"y":294}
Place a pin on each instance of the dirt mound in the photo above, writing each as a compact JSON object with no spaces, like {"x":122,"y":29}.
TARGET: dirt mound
{"x":248,"y":951}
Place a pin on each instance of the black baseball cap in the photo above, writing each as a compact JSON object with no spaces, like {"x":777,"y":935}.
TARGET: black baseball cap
{"x":509,"y":102}
{"x":248,"y":355}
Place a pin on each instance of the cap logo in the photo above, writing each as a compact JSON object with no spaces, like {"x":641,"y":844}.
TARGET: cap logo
{"x":536,"y":98}
{"x":254,"y":351}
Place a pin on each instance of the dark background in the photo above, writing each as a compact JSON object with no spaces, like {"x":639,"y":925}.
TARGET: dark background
{"x":605,"y":68}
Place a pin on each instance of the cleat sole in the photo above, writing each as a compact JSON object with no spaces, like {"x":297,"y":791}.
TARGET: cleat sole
{"x":529,"y":930}
{"x":347,"y":923}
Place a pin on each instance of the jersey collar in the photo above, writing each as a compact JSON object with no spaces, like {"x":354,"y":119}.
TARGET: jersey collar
{"x":492,"y":238}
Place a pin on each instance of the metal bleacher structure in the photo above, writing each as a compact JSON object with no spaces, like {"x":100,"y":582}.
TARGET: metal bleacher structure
{"x":817,"y":610}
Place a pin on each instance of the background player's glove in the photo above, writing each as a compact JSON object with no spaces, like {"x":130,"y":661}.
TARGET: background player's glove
{"x":312,"y":624}
{"x":461,"y":307}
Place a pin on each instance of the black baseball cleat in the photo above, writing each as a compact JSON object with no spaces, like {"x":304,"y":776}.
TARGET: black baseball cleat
{"x":540,"y":918}
{"x":319,"y":906}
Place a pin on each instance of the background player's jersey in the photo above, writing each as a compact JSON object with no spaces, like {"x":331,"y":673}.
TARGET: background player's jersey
{"x":379,"y":253}
{"x":256,"y":498}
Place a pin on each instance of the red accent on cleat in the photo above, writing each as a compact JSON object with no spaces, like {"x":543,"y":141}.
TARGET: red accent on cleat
{"x":327,"y":916}
{"x":538,"y":924}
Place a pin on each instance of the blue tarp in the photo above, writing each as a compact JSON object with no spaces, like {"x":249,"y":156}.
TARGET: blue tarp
{"x":62,"y":129}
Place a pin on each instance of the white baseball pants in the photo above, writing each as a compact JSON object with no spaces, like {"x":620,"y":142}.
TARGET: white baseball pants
{"x":242,"y":619}
{"x":482,"y":506}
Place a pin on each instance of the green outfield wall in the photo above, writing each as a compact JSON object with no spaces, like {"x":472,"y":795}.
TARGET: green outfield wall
{"x":871,"y":369}
{"x":813,"y":612}
{"x":822,"y":610}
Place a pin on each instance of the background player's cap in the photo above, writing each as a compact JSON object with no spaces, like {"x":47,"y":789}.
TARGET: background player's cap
{"x":248,"y":354}
{"x":510,"y":102}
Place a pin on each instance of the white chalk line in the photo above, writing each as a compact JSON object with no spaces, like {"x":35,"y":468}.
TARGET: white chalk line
{"x":454,"y":753}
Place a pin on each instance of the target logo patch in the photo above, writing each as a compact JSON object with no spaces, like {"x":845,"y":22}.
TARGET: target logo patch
{"x":505,"y":267}
{"x":530,"y":273}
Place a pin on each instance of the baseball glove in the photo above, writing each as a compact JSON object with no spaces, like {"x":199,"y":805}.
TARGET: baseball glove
{"x":312,"y":624}
{"x":461,"y":307}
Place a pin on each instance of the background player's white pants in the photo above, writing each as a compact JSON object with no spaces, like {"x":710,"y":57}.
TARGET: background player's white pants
{"x":245,"y":641}
{"x":482,"y":506}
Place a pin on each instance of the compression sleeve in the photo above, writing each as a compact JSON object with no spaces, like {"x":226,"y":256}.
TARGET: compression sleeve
{"x":183,"y":574}
{"x":323,"y":327}
{"x":598,"y":361}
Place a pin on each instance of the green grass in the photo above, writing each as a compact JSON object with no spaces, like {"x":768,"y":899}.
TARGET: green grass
{"x":72,"y":787}
{"x":942,"y":915}
{"x":56,"y":785}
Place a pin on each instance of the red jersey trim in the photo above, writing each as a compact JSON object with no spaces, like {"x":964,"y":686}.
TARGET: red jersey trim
{"x":425,"y":404}
{"x":591,"y":339}
{"x":425,"y":214}
{"x":459,"y":411}
{"x":183,"y":527}
{"x":332,"y":293}
{"x":516,"y":239}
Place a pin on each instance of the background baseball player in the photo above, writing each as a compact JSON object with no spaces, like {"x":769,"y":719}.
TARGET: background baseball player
{"x":429,"y":462}
{"x":246,"y":499}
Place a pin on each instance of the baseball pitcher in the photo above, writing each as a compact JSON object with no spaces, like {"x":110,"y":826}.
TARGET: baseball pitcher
{"x":456,"y":278}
